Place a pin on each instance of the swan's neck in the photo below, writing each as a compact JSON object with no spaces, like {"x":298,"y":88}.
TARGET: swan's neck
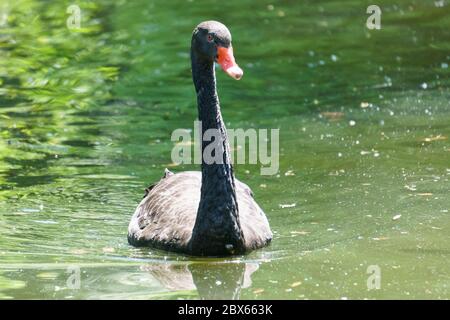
{"x":217,"y":229}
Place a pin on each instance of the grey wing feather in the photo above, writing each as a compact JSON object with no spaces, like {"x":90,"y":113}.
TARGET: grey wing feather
{"x":166,"y":217}
{"x":253,"y":221}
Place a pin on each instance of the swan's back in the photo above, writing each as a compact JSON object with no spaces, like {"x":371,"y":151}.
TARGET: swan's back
{"x":166,"y":216}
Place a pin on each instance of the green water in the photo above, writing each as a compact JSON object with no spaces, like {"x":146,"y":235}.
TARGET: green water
{"x":364,"y":116}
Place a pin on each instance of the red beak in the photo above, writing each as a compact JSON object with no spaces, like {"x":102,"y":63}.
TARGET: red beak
{"x":226,"y":60}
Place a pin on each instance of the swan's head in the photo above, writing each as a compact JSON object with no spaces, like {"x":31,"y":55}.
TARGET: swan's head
{"x":212,"y":40}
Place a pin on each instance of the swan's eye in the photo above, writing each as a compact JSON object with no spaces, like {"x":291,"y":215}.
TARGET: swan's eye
{"x":210,"y":38}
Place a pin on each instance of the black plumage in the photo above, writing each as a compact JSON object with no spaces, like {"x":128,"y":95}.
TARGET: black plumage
{"x":208,"y":212}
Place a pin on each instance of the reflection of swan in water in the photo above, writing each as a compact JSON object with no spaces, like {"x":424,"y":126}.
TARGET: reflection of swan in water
{"x":212,"y":280}
{"x":207,"y":213}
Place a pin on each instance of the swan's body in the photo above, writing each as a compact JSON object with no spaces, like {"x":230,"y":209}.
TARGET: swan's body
{"x":208,"y":212}
{"x":166,"y":216}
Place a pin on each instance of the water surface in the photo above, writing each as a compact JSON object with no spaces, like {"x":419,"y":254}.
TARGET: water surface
{"x":86,"y":117}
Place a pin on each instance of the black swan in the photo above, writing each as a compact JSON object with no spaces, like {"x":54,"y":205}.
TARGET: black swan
{"x":207,"y":213}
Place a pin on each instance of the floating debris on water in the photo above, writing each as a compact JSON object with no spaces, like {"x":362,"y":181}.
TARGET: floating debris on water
{"x":396,"y":217}
{"x":289,"y":173}
{"x":332,"y":116}
{"x":296,"y":284}
{"x":375,"y":153}
{"x":283,"y":206}
{"x":380,"y":238}
{"x":439,"y":137}
{"x":364,"y":105}
{"x":171,"y":165}
{"x":300,"y":232}
{"x":47,"y":275}
{"x":337,"y":172}
{"x":45,"y":221}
